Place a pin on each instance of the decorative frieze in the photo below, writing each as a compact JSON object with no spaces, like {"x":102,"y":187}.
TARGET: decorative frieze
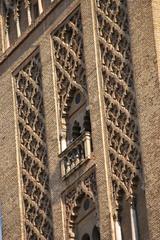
{"x":33,"y":149}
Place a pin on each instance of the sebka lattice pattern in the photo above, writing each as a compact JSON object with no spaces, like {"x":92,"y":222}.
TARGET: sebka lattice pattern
{"x":121,"y":113}
{"x":37,"y":204}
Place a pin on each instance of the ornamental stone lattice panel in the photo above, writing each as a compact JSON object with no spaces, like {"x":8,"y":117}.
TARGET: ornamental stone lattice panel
{"x":69,"y":60}
{"x":33,"y":149}
{"x":119,"y":94}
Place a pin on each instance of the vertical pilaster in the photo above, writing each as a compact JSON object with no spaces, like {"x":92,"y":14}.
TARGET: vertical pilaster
{"x":100,"y":144}
{"x":49,"y":96}
{"x":145,"y":56}
{"x":10,"y":181}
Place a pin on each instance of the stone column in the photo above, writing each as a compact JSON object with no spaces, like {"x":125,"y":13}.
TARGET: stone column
{"x":28,"y":7}
{"x":2,"y":24}
{"x":118,"y":230}
{"x":133,"y":218}
{"x":7,"y":35}
{"x":16,"y":18}
{"x":40,"y":6}
{"x":63,"y":142}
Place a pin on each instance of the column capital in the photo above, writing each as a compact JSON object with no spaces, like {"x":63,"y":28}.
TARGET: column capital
{"x":132,"y":201}
{"x":27,"y":3}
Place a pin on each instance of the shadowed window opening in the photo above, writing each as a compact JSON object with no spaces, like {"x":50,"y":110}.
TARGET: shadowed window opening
{"x":36,"y":10}
{"x":85,"y":237}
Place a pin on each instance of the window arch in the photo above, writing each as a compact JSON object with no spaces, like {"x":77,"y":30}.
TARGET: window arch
{"x":86,"y":237}
{"x":95,"y":233}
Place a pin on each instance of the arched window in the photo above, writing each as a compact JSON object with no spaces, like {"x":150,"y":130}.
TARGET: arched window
{"x":76,"y":119}
{"x":85,"y":223}
{"x":76,"y":130}
{"x":86,"y":237}
{"x":95,"y":233}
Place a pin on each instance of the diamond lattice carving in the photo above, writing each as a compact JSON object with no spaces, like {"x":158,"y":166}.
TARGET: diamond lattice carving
{"x":36,"y":196}
{"x":69,"y":60}
{"x":119,"y":94}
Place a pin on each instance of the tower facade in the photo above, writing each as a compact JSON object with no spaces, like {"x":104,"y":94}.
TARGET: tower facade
{"x":79,"y":119}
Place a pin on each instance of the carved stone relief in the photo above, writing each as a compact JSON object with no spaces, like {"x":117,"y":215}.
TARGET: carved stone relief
{"x":33,"y":149}
{"x":119,"y":95}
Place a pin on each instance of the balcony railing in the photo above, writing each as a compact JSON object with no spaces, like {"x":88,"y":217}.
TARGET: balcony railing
{"x":76,"y":154}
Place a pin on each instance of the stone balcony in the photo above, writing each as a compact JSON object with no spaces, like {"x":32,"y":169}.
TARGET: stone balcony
{"x":75,"y":154}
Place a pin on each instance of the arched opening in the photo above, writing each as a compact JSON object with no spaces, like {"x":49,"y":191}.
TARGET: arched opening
{"x":86,"y":237}
{"x":95,"y":233}
{"x":86,"y":220}
{"x":75,"y":118}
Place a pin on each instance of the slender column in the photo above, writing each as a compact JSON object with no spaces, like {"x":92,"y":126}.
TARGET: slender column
{"x":63,"y":142}
{"x":18,"y":27}
{"x":7,"y":38}
{"x":7,"y":32}
{"x":87,"y":145}
{"x":16,"y":17}
{"x":118,"y":231}
{"x":133,"y":218}
{"x":40,"y":6}
{"x":2,"y":14}
{"x":28,"y":7}
{"x":63,"y":135}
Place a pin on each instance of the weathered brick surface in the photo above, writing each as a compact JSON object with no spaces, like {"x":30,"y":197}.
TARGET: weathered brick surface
{"x":9,"y":178}
{"x":148,"y":102}
{"x":144,"y":32}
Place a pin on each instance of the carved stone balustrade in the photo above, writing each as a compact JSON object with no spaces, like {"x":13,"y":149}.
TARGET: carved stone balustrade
{"x":76,"y":154}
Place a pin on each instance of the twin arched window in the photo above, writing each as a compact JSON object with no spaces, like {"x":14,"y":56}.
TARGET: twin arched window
{"x":95,"y":235}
